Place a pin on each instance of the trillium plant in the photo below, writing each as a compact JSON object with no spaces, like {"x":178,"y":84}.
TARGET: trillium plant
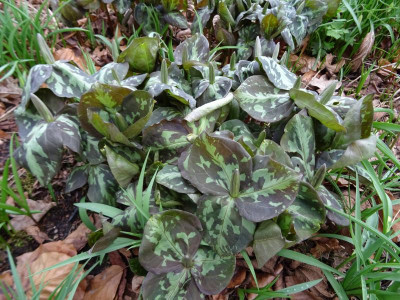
{"x":198,"y":160}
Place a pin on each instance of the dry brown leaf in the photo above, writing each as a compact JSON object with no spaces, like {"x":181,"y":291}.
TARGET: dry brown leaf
{"x":238,"y":278}
{"x":363,"y":51}
{"x":324,"y":246}
{"x":10,"y":92}
{"x":7,"y":280}
{"x":386,"y":68}
{"x":4,"y":135}
{"x":78,"y":237}
{"x":50,"y":279}
{"x":323,"y":82}
{"x":20,"y":222}
{"x":304,"y":63}
{"x":71,"y":55}
{"x":304,"y":273}
{"x":39,"y":236}
{"x":105,"y":284}
{"x":263,"y":279}
{"x":330,"y":66}
{"x":137,"y":283}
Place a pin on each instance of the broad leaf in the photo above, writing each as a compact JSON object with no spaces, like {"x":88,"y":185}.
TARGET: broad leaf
{"x":169,"y":239}
{"x":197,"y":48}
{"x":41,"y":152}
{"x":330,"y":199}
{"x":171,"y":177}
{"x":307,"y":211}
{"x":260,"y":99}
{"x":315,"y":109}
{"x":279,"y":75}
{"x":224,"y":228}
{"x":268,"y":241}
{"x":141,"y":54}
{"x":102,"y":185}
{"x":299,"y":138}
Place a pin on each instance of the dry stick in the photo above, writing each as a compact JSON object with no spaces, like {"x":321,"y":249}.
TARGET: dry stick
{"x":376,"y":69}
{"x":6,"y":115}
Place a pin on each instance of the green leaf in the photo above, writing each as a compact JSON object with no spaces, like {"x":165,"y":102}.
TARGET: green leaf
{"x":269,"y":192}
{"x":41,"y":152}
{"x":171,"y":177}
{"x":212,"y":272}
{"x":197,"y":49}
{"x":170,"y":239}
{"x":210,"y":163}
{"x":358,"y":123}
{"x":76,"y":179}
{"x":260,"y":99}
{"x":178,"y":285}
{"x":268,"y":241}
{"x":307,"y":211}
{"x":225,"y":230}
{"x":141,"y":54}
{"x":100,"y":96}
{"x":102,"y":185}
{"x":122,"y":169}
{"x":279,"y":75}
{"x":299,"y":138}
{"x":315,"y":109}
{"x":269,"y":24}
{"x":330,"y":199}
{"x":107,"y":73}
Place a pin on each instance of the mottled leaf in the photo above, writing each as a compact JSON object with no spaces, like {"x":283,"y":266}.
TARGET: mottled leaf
{"x":212,"y":272}
{"x":169,"y":240}
{"x":258,"y":97}
{"x":76,"y":179}
{"x":171,"y":177}
{"x":41,"y":152}
{"x":224,"y":229}
{"x":279,"y":75}
{"x":270,"y":192}
{"x":269,"y":24}
{"x":330,"y":199}
{"x":102,"y":185}
{"x":210,"y":162}
{"x":299,"y":138}
{"x":307,"y":211}
{"x":107,"y":73}
{"x":197,"y":49}
{"x":175,"y":18}
{"x":275,"y":152}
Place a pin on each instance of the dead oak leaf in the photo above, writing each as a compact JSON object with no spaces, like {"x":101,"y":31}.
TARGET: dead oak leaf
{"x":71,"y":55}
{"x":323,"y":82}
{"x":21,"y":222}
{"x":105,"y":285}
{"x":363,"y":51}
{"x":324,"y":246}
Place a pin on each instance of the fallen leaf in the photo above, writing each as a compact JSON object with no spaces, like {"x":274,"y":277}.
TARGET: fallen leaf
{"x":52,"y":278}
{"x":105,"y":284}
{"x":78,"y":237}
{"x":331,"y":67}
{"x":21,"y":222}
{"x":323,"y":82}
{"x":303,"y":273}
{"x":306,"y":78}
{"x":38,"y":235}
{"x":137,"y":283}
{"x":324,"y":246}
{"x":4,"y":135}
{"x":386,"y":68}
{"x":238,"y":278}
{"x":71,"y":55}
{"x":263,"y":279}
{"x":7,"y":280}
{"x":363,"y":51}
{"x":304,"y":63}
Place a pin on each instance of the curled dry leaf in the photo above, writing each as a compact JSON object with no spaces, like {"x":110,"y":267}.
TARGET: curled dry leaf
{"x":238,"y":278}
{"x":303,"y":273}
{"x":39,"y":236}
{"x":71,"y":55}
{"x":137,"y":283}
{"x":20,"y":222}
{"x":331,"y":67}
{"x":105,"y":284}
{"x":324,"y":246}
{"x":78,"y":238}
{"x":304,"y":63}
{"x":363,"y":51}
{"x":323,"y":82}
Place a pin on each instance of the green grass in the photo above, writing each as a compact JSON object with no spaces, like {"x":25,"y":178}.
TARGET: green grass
{"x":19,"y":47}
{"x":344,"y":33}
